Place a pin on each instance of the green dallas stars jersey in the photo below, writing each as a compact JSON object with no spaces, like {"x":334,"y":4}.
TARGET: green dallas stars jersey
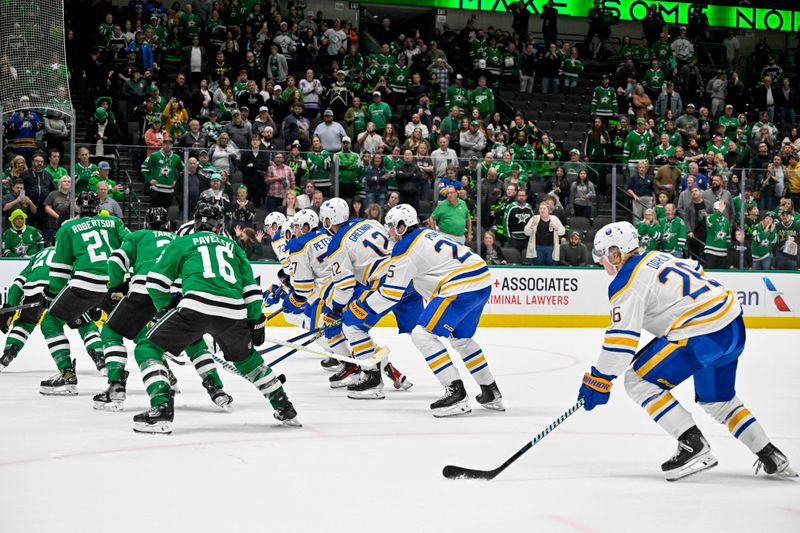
{"x":673,"y":235}
{"x":165,"y":169}
{"x":763,"y":240}
{"x":456,"y":96}
{"x":649,"y":235}
{"x":604,"y":101}
{"x":33,"y":279}
{"x":83,"y":246}
{"x":637,"y":147}
{"x":483,"y":99}
{"x":718,"y":234}
{"x":319,"y":168}
{"x":653,"y":79}
{"x":82,"y":177}
{"x":217,"y":279}
{"x":138,"y":253}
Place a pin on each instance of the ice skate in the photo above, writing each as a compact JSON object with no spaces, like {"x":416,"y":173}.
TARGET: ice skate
{"x":368,"y":387}
{"x":453,"y":403}
{"x":773,"y":462}
{"x":399,"y":380}
{"x":114,"y":396}
{"x":65,"y":383}
{"x":285,"y":412}
{"x":344,"y":377}
{"x":693,"y":456}
{"x":156,"y":419}
{"x":330,"y":364}
{"x":99,"y":361}
{"x":221,"y":398}
{"x":8,"y":356}
{"x":490,"y":397}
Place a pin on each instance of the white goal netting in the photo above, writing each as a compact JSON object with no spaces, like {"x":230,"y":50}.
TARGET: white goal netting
{"x":33,"y":63}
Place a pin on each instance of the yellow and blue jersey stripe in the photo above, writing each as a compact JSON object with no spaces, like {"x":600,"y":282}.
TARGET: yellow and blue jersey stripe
{"x":621,"y":341}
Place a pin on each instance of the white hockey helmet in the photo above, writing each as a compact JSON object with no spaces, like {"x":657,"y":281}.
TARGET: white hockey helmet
{"x":274,"y":218}
{"x":306,"y":216}
{"x":620,"y":235}
{"x":287,"y":231}
{"x":401,"y":213}
{"x":333,"y":212}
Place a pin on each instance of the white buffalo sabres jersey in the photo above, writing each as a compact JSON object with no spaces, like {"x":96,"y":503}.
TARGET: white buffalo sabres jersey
{"x":310,"y":275}
{"x":666,"y":296}
{"x":279,"y":247}
{"x":436,"y":265}
{"x":355,"y":254}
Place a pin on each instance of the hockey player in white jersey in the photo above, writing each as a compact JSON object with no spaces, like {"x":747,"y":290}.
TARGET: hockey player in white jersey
{"x":357,"y":255}
{"x":311,"y":285}
{"x":457,"y":285}
{"x":699,"y":334}
{"x":279,"y":229}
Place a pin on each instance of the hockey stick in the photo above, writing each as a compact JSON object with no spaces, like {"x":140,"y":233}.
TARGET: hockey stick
{"x":6,"y":310}
{"x":174,"y":359}
{"x":298,"y":337}
{"x":294,"y":350}
{"x":380,"y":354}
{"x":230,"y":367}
{"x":274,"y":314}
{"x":458,"y":472}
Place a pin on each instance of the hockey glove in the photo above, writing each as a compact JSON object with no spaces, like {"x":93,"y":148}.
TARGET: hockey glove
{"x":47,"y":298}
{"x":274,"y":294}
{"x":283,"y":277}
{"x":293,"y":304}
{"x":595,"y":389}
{"x":333,"y":317}
{"x":6,"y":319}
{"x":118,"y":293}
{"x":257,"y":330}
{"x":360,"y":314}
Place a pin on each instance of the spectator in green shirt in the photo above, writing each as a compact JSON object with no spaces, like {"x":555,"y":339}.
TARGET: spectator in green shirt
{"x":53,"y":170}
{"x":452,"y":218}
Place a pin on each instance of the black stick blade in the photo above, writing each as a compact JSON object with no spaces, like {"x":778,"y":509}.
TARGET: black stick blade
{"x":457,"y":472}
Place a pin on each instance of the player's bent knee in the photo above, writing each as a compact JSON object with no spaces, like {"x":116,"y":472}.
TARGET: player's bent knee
{"x":463,"y":344}
{"x":638,"y":389}
{"x":424,"y":339}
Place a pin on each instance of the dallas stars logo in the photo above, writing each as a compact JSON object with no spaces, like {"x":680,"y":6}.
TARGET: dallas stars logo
{"x":522,"y":218}
{"x":721,"y":235}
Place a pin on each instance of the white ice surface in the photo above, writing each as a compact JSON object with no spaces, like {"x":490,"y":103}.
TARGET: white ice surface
{"x":376,"y":465}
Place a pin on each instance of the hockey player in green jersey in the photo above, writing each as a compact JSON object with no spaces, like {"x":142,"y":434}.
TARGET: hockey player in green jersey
{"x":219,"y":297}
{"x":77,"y":283}
{"x":137,"y":255}
{"x":27,"y":288}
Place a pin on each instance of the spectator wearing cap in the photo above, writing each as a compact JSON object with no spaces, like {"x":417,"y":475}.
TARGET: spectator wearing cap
{"x":238,"y":129}
{"x":348,"y":164}
{"x":107,"y":203}
{"x":262,"y":120}
{"x":574,"y":166}
{"x":379,"y":112}
{"x":330,"y":133}
{"x":21,"y":239}
{"x":38,"y":185}
{"x":101,"y":131}
{"x":604,"y":100}
{"x":216,"y":193}
{"x":115,"y":190}
{"x":161,"y":170}
{"x":472,"y":141}
{"x":574,"y":252}
{"x":457,"y":94}
{"x":687,"y":123}
{"x":682,"y":48}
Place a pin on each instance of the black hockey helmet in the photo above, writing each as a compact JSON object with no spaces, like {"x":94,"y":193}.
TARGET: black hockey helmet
{"x":157,"y":218}
{"x":88,"y":203}
{"x":208,"y":217}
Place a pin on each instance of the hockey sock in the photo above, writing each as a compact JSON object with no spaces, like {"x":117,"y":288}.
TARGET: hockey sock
{"x":435,"y":354}
{"x":150,"y":359}
{"x":115,"y":352}
{"x":203,"y":362}
{"x":741,"y":423}
{"x":474,"y":360}
{"x":360,"y":342}
{"x":19,"y":334}
{"x":91,"y":336}
{"x":662,"y":407}
{"x":254,"y":369}
{"x":57,"y":343}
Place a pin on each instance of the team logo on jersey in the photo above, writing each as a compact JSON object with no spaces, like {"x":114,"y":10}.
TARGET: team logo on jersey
{"x":777,"y":295}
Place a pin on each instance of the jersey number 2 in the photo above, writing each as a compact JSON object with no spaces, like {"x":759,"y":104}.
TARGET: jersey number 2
{"x":441,"y":243}
{"x":96,"y":243}
{"x":687,"y":274}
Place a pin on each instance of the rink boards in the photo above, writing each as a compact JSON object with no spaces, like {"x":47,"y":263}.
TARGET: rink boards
{"x":576,"y":297}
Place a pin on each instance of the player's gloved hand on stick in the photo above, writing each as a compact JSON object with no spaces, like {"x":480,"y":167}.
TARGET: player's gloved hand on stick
{"x":332,"y":316}
{"x":47,"y":298}
{"x":595,"y":389}
{"x":6,"y":319}
{"x":359,"y":313}
{"x":293,"y":304}
{"x":257,"y":330}
{"x":118,"y":293}
{"x":274,"y":294}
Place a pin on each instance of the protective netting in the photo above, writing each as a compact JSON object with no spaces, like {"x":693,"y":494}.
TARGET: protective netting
{"x":33,"y":64}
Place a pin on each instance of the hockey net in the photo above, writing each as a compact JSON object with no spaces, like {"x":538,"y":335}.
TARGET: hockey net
{"x":33,"y":62}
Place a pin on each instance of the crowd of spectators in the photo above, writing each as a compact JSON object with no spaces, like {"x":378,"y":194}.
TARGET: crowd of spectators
{"x":270,"y":106}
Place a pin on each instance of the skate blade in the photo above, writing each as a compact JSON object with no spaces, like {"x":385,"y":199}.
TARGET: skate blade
{"x":163,"y":428}
{"x":458,"y":409}
{"x":702,"y":462}
{"x":113,"y":407}
{"x":403,"y":384}
{"x":371,"y":394}
{"x":291,"y":423}
{"x":496,"y":405}
{"x":226,"y":406}
{"x":69,"y":390}
{"x":343,"y":383}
